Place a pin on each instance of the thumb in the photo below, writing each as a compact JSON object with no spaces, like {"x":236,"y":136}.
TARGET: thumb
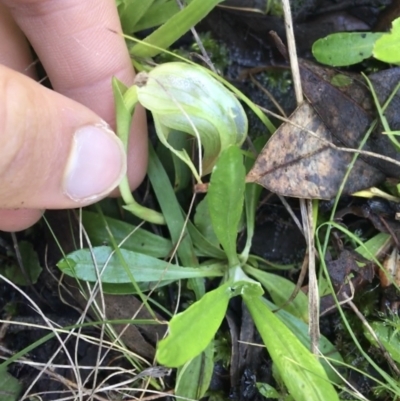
{"x":54,"y":152}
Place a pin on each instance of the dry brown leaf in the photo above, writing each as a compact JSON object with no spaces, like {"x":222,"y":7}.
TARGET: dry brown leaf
{"x":298,"y":164}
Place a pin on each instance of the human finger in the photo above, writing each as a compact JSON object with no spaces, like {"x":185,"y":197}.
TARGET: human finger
{"x":78,"y":45}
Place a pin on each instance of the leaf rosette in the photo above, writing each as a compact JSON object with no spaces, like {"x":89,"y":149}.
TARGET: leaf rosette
{"x":184,"y":97}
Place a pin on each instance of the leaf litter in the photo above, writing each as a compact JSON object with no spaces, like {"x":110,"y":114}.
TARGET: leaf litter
{"x":303,"y":159}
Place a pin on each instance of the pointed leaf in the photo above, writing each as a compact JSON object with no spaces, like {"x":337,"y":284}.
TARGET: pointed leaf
{"x":300,"y":370}
{"x":225,"y":199}
{"x":144,"y":268}
{"x":191,"y":331}
{"x":131,"y":12}
{"x":301,"y":331}
{"x":174,"y":28}
{"x":134,"y":238}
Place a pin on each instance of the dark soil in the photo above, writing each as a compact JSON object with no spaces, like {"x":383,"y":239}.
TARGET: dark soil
{"x":246,"y":37}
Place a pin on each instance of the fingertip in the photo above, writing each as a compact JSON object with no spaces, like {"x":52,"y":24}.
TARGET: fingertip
{"x":12,"y":220}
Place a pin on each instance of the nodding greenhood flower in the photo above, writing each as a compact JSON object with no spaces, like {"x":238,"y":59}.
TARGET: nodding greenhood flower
{"x":185,"y":97}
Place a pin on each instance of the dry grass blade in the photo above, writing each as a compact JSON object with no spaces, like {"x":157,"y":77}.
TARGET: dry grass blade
{"x":305,"y":205}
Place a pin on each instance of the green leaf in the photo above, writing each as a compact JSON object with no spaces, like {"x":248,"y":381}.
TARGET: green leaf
{"x":174,"y":28}
{"x":174,"y":217}
{"x":178,"y":171}
{"x":388,"y":336}
{"x":301,"y":331}
{"x":202,"y":245}
{"x":267,"y":391}
{"x":373,"y":246}
{"x":144,"y":268}
{"x":129,"y":289}
{"x":30,"y":263}
{"x":245,"y":285}
{"x":134,"y":239}
{"x":386,"y":48}
{"x":252,"y":195}
{"x":193,"y":379}
{"x":171,"y":209}
{"x":10,"y":387}
{"x":280,"y":290}
{"x":300,"y":370}
{"x":345,"y":48}
{"x":202,"y":221}
{"x":125,"y":102}
{"x":225,"y":199}
{"x":157,"y":15}
{"x":131,"y":12}
{"x":191,"y":331}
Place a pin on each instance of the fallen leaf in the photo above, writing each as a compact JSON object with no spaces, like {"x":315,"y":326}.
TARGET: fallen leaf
{"x":349,"y":111}
{"x":296,"y":163}
{"x":299,"y":164}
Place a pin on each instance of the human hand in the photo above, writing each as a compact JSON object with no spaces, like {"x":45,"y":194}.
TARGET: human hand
{"x":56,"y":149}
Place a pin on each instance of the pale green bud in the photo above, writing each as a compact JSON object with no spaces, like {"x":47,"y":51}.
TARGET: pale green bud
{"x":187,"y":98}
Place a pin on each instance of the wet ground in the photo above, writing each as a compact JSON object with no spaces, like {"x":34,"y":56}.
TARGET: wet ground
{"x":247,"y":47}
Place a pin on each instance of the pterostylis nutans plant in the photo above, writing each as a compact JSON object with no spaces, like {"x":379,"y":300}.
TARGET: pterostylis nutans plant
{"x":178,"y":96}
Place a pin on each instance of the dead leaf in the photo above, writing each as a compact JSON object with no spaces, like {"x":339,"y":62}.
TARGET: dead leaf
{"x":348,"y":111}
{"x":298,"y":164}
{"x":294,"y":163}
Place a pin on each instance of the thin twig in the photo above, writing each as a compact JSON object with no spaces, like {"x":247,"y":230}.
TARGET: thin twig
{"x":205,"y":57}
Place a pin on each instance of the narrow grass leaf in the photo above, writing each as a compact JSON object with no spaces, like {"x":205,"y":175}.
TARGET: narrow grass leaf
{"x":225,"y":199}
{"x":301,"y":372}
{"x":174,"y":28}
{"x":132,"y":11}
{"x":157,"y":15}
{"x":134,"y":239}
{"x":144,"y":268}
{"x":171,"y":209}
{"x":374,"y":246}
{"x":203,"y":246}
{"x":345,"y":48}
{"x":174,"y":217}
{"x":191,"y":331}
